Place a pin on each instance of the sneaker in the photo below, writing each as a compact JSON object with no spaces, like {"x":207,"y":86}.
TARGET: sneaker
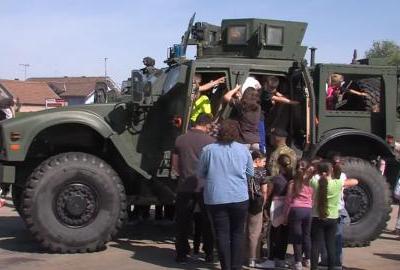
{"x":252,"y":263}
{"x":282,"y":264}
{"x":306,"y":263}
{"x":195,"y":256}
{"x":298,"y":266}
{"x":266,"y":264}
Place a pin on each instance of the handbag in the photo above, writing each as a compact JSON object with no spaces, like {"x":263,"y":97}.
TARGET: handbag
{"x":396,"y":192}
{"x":256,"y":199}
{"x":278,"y":211}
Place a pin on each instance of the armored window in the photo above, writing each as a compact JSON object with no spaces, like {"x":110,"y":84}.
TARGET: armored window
{"x":352,"y":92}
{"x":237,"y":35}
{"x":274,"y":36}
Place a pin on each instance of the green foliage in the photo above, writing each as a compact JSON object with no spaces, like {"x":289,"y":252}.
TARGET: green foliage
{"x":385,"y":48}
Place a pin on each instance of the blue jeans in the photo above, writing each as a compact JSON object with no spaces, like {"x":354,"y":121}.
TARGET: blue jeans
{"x":299,"y":231}
{"x":344,"y":219}
{"x":229,"y":220}
{"x":323,"y":231}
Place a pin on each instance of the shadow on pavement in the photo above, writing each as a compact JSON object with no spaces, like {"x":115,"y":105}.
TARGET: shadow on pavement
{"x":146,"y":241}
{"x":156,"y":255}
{"x":395,"y":257}
{"x":16,"y":237}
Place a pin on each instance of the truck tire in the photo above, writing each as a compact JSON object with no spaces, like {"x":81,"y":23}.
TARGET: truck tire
{"x":74,"y":202}
{"x":16,"y":195}
{"x":368,"y":203}
{"x":372,"y":88}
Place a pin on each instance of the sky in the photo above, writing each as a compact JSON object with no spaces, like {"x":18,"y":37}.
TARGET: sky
{"x":72,"y":37}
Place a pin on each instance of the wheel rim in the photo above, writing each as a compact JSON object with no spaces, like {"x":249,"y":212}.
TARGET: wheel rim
{"x":76,"y":205}
{"x":358,"y":202}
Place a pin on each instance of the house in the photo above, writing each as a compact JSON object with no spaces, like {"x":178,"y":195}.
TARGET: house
{"x":31,"y":95}
{"x":75,"y":90}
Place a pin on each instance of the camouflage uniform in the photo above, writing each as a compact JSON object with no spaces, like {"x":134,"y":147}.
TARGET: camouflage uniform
{"x":273,"y":166}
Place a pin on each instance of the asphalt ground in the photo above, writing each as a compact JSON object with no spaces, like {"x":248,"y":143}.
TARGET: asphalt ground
{"x":148,"y":246}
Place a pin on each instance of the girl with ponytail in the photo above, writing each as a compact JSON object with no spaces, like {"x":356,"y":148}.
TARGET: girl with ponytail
{"x":299,"y":203}
{"x":327,"y":193}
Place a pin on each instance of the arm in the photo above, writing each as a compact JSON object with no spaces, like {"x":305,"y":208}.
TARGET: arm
{"x":350,"y":182}
{"x":228,"y":96}
{"x":264,"y":191}
{"x":202,"y":169}
{"x":288,"y":200}
{"x":249,"y":165}
{"x":211,"y":84}
{"x":270,"y":189}
{"x":175,"y":164}
{"x":279,"y":98}
{"x":358,"y":93}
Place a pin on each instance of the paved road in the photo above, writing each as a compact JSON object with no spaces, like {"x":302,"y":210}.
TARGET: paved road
{"x":149,"y":247}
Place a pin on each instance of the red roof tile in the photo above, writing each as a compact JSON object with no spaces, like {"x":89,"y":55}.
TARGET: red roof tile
{"x":29,"y":92}
{"x":71,"y":86}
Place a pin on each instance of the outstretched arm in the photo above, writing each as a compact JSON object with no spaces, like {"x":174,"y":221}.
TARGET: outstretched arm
{"x":350,"y":182}
{"x":228,"y":96}
{"x":279,"y":98}
{"x":211,"y":84}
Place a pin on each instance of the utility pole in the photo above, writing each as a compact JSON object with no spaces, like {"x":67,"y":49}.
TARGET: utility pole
{"x":25,"y":69}
{"x":105,"y":68}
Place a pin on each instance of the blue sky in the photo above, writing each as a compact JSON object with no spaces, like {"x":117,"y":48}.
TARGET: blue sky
{"x":72,"y":37}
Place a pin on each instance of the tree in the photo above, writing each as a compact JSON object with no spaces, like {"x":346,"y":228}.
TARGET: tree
{"x":385,"y":48}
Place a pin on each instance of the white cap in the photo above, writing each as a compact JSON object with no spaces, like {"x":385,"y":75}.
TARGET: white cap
{"x":250,"y":82}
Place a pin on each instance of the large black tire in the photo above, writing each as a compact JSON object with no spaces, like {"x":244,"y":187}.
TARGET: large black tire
{"x":16,"y":195}
{"x":368,"y":203}
{"x":372,"y":87}
{"x":74,"y":202}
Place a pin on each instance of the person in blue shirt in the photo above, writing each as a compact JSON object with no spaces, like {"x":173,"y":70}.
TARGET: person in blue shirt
{"x":225,"y":166}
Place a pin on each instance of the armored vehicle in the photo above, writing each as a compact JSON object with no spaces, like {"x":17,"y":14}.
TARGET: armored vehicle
{"x":73,"y":169}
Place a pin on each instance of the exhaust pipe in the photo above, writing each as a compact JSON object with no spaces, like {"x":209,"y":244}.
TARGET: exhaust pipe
{"x":312,"y":56}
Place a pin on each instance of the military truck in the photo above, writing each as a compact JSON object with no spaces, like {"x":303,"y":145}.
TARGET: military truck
{"x":74,"y":169}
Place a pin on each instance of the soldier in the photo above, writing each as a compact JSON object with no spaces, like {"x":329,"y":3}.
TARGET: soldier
{"x":279,"y":138}
{"x":149,"y":64}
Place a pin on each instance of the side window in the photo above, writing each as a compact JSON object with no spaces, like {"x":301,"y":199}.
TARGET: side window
{"x":353,"y":92}
{"x":210,"y":88}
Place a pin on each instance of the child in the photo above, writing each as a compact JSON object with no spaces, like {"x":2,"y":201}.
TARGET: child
{"x":255,"y":218}
{"x":343,"y":216}
{"x":326,"y":197}
{"x":248,"y":111}
{"x":279,"y":230}
{"x":299,"y":202}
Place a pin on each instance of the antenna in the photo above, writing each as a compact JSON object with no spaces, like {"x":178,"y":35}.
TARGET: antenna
{"x":25,"y":69}
{"x":105,"y":68}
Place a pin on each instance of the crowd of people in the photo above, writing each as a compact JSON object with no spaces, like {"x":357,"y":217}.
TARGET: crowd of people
{"x":252,"y":204}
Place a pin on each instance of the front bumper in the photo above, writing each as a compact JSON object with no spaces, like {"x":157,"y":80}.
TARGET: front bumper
{"x":7,"y":174}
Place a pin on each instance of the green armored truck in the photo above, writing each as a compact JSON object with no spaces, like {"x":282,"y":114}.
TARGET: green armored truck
{"x":74,"y":169}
